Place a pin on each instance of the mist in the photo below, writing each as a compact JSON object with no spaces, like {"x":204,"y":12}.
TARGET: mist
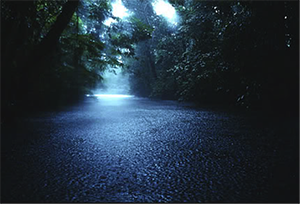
{"x":115,"y":82}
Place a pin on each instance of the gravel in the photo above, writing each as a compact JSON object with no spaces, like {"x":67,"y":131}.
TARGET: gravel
{"x":141,"y":150}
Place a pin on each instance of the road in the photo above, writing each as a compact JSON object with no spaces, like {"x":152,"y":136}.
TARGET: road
{"x":141,"y":150}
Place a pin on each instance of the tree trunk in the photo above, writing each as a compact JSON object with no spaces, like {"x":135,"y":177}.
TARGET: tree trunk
{"x":151,"y":63}
{"x":52,"y":37}
{"x":30,"y":70}
{"x":152,"y":66}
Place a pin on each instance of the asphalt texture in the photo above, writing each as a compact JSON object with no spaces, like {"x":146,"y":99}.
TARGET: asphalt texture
{"x":141,"y":150}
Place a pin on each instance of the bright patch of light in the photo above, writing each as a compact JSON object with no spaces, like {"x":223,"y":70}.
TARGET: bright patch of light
{"x":124,"y":50}
{"x":84,"y":29}
{"x":113,"y":96}
{"x":119,"y":10}
{"x":92,"y":29}
{"x":119,"y":58}
{"x":87,"y":95}
{"x":109,"y":21}
{"x":165,"y":9}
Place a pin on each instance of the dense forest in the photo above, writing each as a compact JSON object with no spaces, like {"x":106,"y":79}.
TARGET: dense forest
{"x":233,"y":53}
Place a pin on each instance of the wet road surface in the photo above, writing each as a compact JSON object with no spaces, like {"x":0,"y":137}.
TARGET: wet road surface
{"x":140,"y":150}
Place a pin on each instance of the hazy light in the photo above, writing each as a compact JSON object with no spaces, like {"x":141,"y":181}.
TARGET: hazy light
{"x":119,"y":58}
{"x":119,"y":10}
{"x":109,"y":21}
{"x":113,"y":96}
{"x":166,"y":10}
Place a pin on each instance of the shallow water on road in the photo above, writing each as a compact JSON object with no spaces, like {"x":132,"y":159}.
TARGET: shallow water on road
{"x":141,"y":150}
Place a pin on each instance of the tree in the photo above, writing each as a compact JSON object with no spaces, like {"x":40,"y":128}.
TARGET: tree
{"x":46,"y":46}
{"x":224,"y":52}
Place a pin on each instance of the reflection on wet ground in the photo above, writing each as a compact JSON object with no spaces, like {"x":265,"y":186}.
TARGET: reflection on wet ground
{"x":140,"y":150}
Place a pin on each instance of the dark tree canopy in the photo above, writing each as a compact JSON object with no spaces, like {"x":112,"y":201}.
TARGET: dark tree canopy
{"x":242,"y":53}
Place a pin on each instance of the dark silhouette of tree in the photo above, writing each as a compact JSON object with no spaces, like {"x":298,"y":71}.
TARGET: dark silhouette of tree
{"x":45,"y":48}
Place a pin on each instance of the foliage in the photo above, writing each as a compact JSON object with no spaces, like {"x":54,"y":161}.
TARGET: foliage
{"x":223,"y":53}
{"x":70,"y":70}
{"x":220,"y":52}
